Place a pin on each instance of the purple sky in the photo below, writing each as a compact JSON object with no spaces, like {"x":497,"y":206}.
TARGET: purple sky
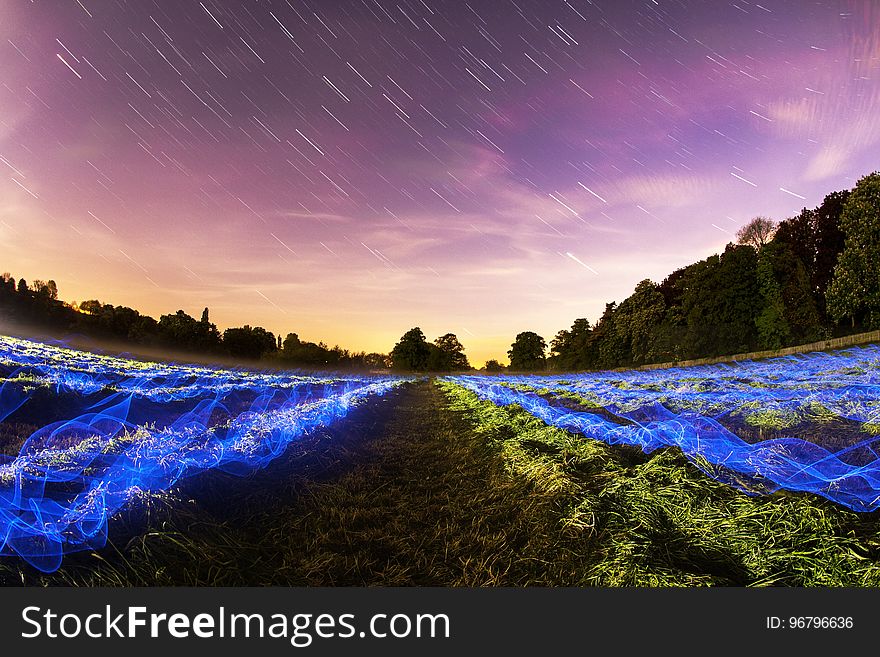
{"x":347,"y":170}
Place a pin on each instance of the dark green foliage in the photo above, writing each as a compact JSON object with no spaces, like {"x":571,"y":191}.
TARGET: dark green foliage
{"x":669,"y":337}
{"x":731,"y":303}
{"x":699,"y":300}
{"x":607,"y":346}
{"x":571,"y":350}
{"x":636,"y":321}
{"x":708,"y":308}
{"x":720,"y":303}
{"x":412,"y":352}
{"x":789,"y":315}
{"x":737,"y":300}
{"x":815,"y":240}
{"x":798,"y":300}
{"x":527,"y":352}
{"x":828,"y":242}
{"x":799,"y":235}
{"x":854,"y":291}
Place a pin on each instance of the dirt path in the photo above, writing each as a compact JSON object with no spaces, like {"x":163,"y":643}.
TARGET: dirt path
{"x":426,"y":503}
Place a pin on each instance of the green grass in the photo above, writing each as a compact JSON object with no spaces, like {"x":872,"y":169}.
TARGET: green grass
{"x":659,"y":521}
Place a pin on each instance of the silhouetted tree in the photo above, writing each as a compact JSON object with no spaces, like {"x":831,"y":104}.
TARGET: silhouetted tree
{"x":310,"y":354}
{"x":756,"y":233}
{"x":182,"y":331}
{"x":291,"y":342}
{"x":8,"y":300}
{"x":412,"y":352}
{"x":248,"y":342}
{"x":118,"y":322}
{"x":90,"y":306}
{"x":452,"y":351}
{"x":46,"y":289}
{"x":527,"y":352}
{"x":493,"y":366}
{"x":179,"y":330}
{"x":38,"y":305}
{"x":773,"y":329}
{"x":208,"y":335}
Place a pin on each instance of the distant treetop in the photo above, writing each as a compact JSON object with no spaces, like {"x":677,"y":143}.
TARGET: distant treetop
{"x":756,"y":233}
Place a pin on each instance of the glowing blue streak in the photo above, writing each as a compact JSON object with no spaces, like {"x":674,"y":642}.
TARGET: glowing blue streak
{"x":681,"y":407}
{"x":72,"y":475}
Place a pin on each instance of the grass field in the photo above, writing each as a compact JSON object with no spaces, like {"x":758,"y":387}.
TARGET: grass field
{"x":431,"y":486}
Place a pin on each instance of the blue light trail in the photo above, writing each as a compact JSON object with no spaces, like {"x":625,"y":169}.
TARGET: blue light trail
{"x":832,"y":398}
{"x":139,"y":428}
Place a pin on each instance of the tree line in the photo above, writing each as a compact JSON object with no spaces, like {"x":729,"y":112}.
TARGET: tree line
{"x":37,"y":304}
{"x":807,"y":278}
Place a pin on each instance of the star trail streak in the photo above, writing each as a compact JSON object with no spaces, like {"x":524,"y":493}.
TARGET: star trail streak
{"x":213,"y":139}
